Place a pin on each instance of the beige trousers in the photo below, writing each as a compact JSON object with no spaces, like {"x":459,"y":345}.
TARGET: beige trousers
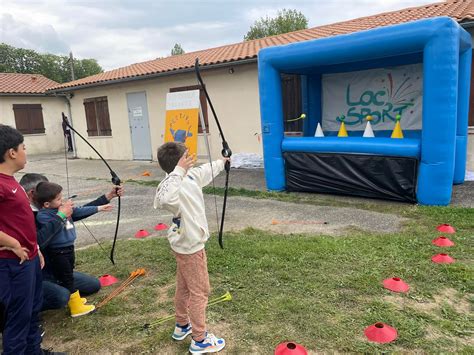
{"x":192,"y":291}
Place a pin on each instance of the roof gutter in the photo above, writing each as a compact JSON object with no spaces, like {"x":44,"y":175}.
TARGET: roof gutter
{"x":156,"y":75}
{"x":467,"y":24}
{"x":24,"y":94}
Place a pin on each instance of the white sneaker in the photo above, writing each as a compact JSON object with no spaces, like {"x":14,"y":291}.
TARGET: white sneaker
{"x":210,"y":344}
{"x":182,"y":332}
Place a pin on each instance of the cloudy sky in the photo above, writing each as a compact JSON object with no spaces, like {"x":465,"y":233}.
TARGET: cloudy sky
{"x":121,"y":32}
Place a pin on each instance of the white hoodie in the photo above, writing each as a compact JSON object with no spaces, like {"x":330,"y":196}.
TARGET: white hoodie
{"x":181,"y":194}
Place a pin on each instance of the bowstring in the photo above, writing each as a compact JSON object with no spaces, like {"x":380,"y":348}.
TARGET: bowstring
{"x":69,"y":194}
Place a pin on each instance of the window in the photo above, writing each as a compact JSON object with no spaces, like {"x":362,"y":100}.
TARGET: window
{"x":97,"y":116}
{"x":29,"y":118}
{"x":202,"y":98}
{"x":291,"y":97}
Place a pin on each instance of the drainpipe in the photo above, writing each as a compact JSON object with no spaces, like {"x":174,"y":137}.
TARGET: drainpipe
{"x":67,"y":97}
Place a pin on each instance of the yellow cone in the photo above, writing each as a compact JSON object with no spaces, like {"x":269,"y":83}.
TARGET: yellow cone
{"x":397,"y":131}
{"x":342,"y":130}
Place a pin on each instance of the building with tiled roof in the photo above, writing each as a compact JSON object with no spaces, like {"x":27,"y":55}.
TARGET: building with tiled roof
{"x":24,"y":104}
{"x":460,"y":10}
{"x":123,"y":110}
{"x":25,"y":84}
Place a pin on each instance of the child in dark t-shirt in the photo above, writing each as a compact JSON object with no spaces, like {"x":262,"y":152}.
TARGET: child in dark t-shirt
{"x":20,"y":264}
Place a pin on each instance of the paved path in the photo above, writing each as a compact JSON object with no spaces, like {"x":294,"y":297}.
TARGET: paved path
{"x":87,"y":180}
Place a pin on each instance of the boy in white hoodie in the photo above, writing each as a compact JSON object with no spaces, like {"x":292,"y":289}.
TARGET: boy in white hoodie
{"x":181,"y":194}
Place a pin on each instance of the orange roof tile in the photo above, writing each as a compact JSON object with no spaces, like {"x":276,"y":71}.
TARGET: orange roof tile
{"x":14,"y":83}
{"x":457,"y":9}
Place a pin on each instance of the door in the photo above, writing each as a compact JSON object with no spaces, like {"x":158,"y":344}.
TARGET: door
{"x":292,"y":108}
{"x":139,"y":125}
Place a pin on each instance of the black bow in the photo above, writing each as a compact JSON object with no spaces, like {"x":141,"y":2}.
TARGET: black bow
{"x":226,"y":152}
{"x":115,"y":180}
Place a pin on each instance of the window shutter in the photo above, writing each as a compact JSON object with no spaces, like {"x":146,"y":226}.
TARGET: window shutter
{"x":21,"y":119}
{"x":102,"y":108}
{"x":89,"y":106}
{"x":97,"y":116}
{"x":36,"y":119}
{"x":202,"y":98}
{"x":29,"y":118}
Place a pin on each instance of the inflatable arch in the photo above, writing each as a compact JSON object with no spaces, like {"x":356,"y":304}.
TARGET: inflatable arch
{"x":422,"y":166}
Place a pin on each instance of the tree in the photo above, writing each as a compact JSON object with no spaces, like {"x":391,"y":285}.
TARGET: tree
{"x":52,"y":66}
{"x":285,"y":21}
{"x":177,"y":50}
{"x":86,"y":67}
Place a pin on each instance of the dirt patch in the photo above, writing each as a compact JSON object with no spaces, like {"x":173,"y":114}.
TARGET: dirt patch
{"x":447,"y":295}
{"x":432,"y":333}
{"x":131,"y":348}
{"x":401,"y":302}
{"x":163,"y":293}
{"x":450,"y":296}
{"x":433,"y":307}
{"x":288,"y":217}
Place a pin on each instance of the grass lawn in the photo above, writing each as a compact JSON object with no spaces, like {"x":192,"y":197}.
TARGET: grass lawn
{"x":319,"y":291}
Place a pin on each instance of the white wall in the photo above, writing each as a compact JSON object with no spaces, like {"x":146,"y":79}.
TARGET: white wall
{"x":470,"y":138}
{"x":52,"y":140}
{"x":234,"y":96}
{"x":470,"y":151}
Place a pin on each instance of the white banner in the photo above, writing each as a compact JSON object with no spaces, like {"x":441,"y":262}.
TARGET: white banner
{"x":382,"y":93}
{"x":182,"y":100}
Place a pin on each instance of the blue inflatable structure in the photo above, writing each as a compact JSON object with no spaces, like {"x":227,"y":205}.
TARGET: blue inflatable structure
{"x":423,"y":166}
